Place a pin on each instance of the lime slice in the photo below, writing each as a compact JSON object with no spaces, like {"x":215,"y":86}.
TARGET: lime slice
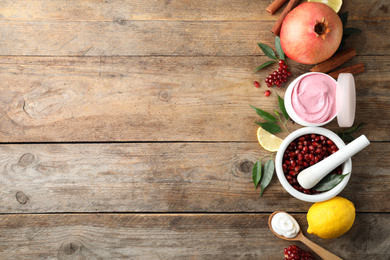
{"x":268,"y":141}
{"x":334,"y":4}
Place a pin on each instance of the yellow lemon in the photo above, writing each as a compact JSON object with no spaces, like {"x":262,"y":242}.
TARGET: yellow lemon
{"x":334,"y":4}
{"x":268,"y":141}
{"x":331,"y":218}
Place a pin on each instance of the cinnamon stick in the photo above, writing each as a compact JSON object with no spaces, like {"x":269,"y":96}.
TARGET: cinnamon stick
{"x":291,"y":4}
{"x":274,"y":6}
{"x":354,"y":69}
{"x":334,"y":61}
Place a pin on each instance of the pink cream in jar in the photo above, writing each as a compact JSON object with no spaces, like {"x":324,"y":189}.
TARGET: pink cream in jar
{"x":315,"y":99}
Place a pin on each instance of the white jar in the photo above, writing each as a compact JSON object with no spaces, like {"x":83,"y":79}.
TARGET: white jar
{"x":345,"y":99}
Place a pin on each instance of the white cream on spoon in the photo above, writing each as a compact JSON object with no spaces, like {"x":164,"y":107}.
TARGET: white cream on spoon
{"x":309,"y":177}
{"x":285,"y":225}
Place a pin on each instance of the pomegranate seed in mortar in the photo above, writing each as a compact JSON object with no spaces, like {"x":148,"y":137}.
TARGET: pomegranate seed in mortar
{"x":303,"y":152}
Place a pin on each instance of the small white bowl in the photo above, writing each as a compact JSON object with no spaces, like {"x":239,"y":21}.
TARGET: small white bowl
{"x":347,"y":165}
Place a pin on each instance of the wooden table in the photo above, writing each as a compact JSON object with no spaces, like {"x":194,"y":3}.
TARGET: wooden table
{"x":126,"y":131}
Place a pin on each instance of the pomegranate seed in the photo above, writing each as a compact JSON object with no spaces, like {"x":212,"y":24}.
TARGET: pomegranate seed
{"x":302,"y":153}
{"x":289,"y":73}
{"x":256,"y":84}
{"x":267,"y":93}
{"x":281,"y":63}
{"x":294,"y":252}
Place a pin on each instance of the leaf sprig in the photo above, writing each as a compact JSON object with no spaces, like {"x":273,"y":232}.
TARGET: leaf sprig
{"x":346,"y":31}
{"x":264,"y":178}
{"x":329,"y":182}
{"x":269,"y":52}
{"x":347,"y":134}
{"x":271,"y":125}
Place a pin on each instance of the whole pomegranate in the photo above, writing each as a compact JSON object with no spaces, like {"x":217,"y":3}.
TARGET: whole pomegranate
{"x":311,"y":33}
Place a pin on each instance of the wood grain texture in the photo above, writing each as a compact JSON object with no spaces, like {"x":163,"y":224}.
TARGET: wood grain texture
{"x":168,"y":38}
{"x":164,"y":177}
{"x":115,"y":10}
{"x":175,"y":236}
{"x":185,"y":98}
{"x":173,"y":81}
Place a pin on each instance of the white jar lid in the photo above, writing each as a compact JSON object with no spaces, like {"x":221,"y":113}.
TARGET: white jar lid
{"x":346,"y":100}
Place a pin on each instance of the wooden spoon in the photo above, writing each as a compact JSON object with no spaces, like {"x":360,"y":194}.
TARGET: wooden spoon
{"x":324,"y":254}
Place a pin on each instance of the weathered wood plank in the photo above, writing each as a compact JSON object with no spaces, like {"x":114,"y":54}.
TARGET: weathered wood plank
{"x":175,"y":236}
{"x":164,"y":177}
{"x":172,"y":38}
{"x":113,"y":10}
{"x":59,"y":99}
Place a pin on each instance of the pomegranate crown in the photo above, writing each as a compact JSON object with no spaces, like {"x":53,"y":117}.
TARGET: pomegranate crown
{"x":321,"y":28}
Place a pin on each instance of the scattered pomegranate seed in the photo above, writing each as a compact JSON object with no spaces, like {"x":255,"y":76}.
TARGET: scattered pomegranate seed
{"x":279,"y":76}
{"x":256,"y":84}
{"x":294,"y":252}
{"x":303,"y":152}
{"x":267,"y":93}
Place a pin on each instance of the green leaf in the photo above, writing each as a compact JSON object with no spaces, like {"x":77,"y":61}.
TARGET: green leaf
{"x":267,"y":51}
{"x":342,"y":44}
{"x":267,"y":116}
{"x":269,"y":169}
{"x":270,"y":127}
{"x":276,"y":112}
{"x":349,"y":31}
{"x":347,"y":137}
{"x":329,"y":182}
{"x":256,"y":173}
{"x":344,"y":18}
{"x":353,"y":129}
{"x":278,"y":48}
{"x":265,"y":64}
{"x":347,"y":134}
{"x":282,"y":107}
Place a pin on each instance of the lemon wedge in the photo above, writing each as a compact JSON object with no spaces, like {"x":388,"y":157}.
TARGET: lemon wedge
{"x":334,"y":4}
{"x":268,"y":141}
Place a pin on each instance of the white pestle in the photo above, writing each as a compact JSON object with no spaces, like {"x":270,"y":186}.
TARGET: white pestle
{"x":309,"y":177}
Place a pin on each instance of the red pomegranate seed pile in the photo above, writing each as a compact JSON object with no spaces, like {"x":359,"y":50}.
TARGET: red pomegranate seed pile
{"x":295,"y":253}
{"x":279,"y":76}
{"x":302,"y":153}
